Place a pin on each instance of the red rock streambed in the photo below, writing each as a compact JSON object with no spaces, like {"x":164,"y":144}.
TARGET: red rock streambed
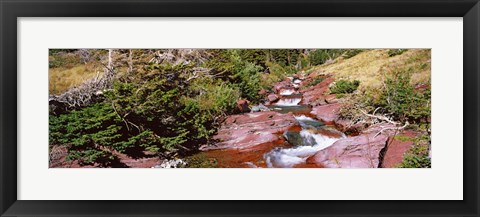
{"x":286,"y":136}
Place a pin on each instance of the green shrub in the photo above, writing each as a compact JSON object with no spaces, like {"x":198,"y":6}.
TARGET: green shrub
{"x":400,"y":98}
{"x":150,"y":110}
{"x":352,"y":52}
{"x":417,"y":156}
{"x":395,"y":52}
{"x":245,"y":76}
{"x":61,"y":59}
{"x":56,"y":51}
{"x":276,"y":73}
{"x":320,"y":56}
{"x":206,"y":101}
{"x":344,"y":86}
{"x":85,"y":131}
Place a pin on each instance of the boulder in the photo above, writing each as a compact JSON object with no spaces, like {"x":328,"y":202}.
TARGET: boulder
{"x":273,"y":97}
{"x":260,"y":108}
{"x":296,"y":139}
{"x":249,"y":130}
{"x":242,"y":106}
{"x":327,"y":113}
{"x":361,"y":151}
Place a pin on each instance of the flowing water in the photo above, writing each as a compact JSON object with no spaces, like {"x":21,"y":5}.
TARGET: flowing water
{"x":312,"y":137}
{"x":298,"y":143}
{"x":288,"y":102}
{"x":286,"y":92}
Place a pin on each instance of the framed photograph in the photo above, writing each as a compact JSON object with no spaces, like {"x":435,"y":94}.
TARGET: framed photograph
{"x":239,"y":108}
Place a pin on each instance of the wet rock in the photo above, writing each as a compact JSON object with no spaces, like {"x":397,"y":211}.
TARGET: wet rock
{"x":327,"y":113}
{"x":242,"y":106}
{"x":282,"y":85}
{"x":260,"y":108}
{"x":296,"y":139}
{"x":249,"y":130}
{"x":361,"y":151}
{"x":273,"y":98}
{"x":397,"y":146}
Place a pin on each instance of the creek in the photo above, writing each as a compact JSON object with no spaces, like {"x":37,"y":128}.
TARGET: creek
{"x":297,"y":143}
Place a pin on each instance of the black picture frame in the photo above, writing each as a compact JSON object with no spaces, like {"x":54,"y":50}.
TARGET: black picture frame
{"x":10,"y":10}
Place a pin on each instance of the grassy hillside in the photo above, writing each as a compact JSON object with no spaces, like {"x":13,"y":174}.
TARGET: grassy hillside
{"x":370,"y":66}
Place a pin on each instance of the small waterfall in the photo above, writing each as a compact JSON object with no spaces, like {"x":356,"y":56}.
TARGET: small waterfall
{"x":288,"y":102}
{"x":289,"y":157}
{"x":286,"y":92}
{"x":308,"y":142}
{"x":308,"y":122}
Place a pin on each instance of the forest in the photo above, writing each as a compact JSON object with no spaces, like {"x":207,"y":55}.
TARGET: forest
{"x":239,"y":108}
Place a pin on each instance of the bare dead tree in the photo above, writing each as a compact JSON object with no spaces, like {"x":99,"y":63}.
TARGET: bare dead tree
{"x":181,"y":56}
{"x":110,"y":59}
{"x":396,"y":125}
{"x":84,"y":55}
{"x":130,"y":61}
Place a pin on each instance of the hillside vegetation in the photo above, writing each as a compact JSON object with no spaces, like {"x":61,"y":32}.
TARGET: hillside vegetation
{"x":370,"y":67}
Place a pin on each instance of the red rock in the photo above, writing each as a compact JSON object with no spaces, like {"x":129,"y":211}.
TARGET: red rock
{"x":396,"y":149}
{"x":282,"y":85}
{"x":327,"y":113}
{"x":147,"y":161}
{"x":242,"y":106}
{"x":361,"y":151}
{"x":346,"y":125}
{"x":243,"y":158}
{"x":421,"y":87}
{"x":273,"y":97}
{"x":248,"y":130}
{"x":313,"y":95}
{"x":330,"y":99}
{"x":327,"y":81}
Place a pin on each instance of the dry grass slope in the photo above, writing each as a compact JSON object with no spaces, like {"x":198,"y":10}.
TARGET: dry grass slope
{"x":60,"y":79}
{"x":370,"y":66}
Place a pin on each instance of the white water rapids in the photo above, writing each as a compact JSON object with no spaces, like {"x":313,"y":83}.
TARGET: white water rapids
{"x":286,"y":92}
{"x":288,"y":102}
{"x":289,"y":157}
